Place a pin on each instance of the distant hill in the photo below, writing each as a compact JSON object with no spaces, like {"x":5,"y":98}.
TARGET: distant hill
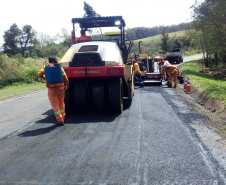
{"x":144,"y":32}
{"x":152,"y":45}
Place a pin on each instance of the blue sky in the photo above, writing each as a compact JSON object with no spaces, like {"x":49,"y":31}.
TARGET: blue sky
{"x":49,"y":17}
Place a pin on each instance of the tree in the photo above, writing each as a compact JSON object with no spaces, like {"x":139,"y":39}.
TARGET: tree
{"x":26,"y":38}
{"x":165,"y":38}
{"x":130,"y":35}
{"x":14,"y":37}
{"x":11,"y":40}
{"x":210,"y":20}
{"x":89,"y":12}
{"x":177,"y":44}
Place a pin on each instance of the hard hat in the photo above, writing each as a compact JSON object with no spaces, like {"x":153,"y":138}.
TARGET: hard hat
{"x":134,"y":61}
{"x":166,"y":64}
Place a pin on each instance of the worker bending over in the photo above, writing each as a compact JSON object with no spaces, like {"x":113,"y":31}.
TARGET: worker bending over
{"x":83,"y":37}
{"x":172,"y":71}
{"x":57,"y":82}
{"x":137,"y":72}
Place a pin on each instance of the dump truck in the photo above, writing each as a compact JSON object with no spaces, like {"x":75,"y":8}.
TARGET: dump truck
{"x":99,"y":71}
{"x":175,"y":55}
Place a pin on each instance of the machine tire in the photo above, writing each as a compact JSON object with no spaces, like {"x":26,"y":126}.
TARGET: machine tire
{"x":116,"y":95}
{"x":69,"y":106}
{"x":98,"y":99}
{"x":80,"y":96}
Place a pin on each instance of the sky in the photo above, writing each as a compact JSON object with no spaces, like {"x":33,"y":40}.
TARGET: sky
{"x":51,"y":16}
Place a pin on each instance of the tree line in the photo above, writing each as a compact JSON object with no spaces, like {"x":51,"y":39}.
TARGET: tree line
{"x":143,"y":32}
{"x":28,"y":42}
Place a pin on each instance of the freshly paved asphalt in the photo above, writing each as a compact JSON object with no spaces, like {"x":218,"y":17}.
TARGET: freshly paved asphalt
{"x":151,"y":142}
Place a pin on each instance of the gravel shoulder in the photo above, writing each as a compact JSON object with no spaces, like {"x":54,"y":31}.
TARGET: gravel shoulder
{"x":210,"y":133}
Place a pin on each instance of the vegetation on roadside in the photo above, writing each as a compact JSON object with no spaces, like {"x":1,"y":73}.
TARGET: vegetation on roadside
{"x":212,"y":81}
{"x":20,"y":88}
{"x":19,"y":69}
{"x":209,"y":30}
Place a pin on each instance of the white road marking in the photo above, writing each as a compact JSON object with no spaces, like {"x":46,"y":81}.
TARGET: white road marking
{"x":22,"y":96}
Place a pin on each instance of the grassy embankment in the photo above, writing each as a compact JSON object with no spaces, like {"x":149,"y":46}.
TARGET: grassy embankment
{"x":152,"y":45}
{"x":19,"y":75}
{"x":210,"y":81}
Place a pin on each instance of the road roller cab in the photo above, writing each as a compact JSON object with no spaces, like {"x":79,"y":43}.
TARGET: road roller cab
{"x":99,"y":71}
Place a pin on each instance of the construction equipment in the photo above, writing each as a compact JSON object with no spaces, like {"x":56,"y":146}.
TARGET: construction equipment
{"x":99,"y":71}
{"x":175,"y":55}
{"x":146,"y":65}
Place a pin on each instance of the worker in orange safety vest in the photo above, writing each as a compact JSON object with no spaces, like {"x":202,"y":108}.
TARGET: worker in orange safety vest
{"x":56,"y":91}
{"x":137,"y":72}
{"x":172,"y":71}
{"x":83,"y":37}
{"x":161,"y":70}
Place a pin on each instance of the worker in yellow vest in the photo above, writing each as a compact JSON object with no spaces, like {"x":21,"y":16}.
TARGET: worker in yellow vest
{"x":57,"y":82}
{"x":137,"y":72}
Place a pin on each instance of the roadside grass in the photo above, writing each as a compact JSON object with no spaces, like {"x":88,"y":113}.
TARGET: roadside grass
{"x":20,"y":88}
{"x":204,"y":82}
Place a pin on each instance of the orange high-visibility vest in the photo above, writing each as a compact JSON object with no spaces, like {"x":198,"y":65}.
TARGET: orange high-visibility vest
{"x":171,"y":70}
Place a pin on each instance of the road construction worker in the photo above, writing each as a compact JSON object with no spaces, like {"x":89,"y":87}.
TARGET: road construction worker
{"x":83,"y":37}
{"x":167,"y":76}
{"x":172,"y":71}
{"x":137,"y":72}
{"x":56,"y":91}
{"x":161,"y":70}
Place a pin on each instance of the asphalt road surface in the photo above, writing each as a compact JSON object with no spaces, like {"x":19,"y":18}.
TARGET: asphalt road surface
{"x":151,"y":142}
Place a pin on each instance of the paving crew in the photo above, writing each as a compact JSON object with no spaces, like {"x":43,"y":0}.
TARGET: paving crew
{"x":83,"y":36}
{"x":137,"y":72}
{"x":172,"y":71}
{"x":56,"y":91}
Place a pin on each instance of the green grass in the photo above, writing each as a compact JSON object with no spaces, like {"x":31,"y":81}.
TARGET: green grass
{"x":157,"y":38}
{"x":152,"y":45}
{"x":20,"y":88}
{"x":204,"y":82}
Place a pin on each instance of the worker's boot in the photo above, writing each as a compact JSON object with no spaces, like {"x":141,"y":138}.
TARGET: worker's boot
{"x":169,"y":85}
{"x":61,"y":124}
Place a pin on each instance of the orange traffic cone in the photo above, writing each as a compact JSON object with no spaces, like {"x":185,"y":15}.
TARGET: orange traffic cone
{"x":185,"y":83}
{"x":188,"y":87}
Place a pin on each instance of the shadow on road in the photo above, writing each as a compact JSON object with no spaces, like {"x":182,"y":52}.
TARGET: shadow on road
{"x":38,"y":132}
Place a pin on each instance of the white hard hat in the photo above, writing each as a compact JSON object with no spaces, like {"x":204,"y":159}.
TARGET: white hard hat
{"x":166,"y":64}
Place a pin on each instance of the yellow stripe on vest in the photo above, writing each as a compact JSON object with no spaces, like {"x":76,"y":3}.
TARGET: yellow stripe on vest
{"x":173,"y":71}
